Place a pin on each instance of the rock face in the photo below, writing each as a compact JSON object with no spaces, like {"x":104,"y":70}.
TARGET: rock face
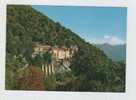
{"x":32,"y":79}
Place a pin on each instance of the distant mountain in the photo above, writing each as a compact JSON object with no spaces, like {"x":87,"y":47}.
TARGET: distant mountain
{"x":115,"y":52}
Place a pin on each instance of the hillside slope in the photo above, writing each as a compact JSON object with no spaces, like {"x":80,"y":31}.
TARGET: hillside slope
{"x":26,"y":25}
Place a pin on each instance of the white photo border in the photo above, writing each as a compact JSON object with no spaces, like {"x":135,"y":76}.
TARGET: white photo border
{"x":48,"y":95}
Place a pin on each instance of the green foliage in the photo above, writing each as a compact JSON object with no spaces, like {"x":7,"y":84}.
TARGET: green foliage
{"x":37,"y":61}
{"x":47,"y":57}
{"x":41,"y":59}
{"x":96,"y":72}
{"x":50,"y":83}
{"x":12,"y":71}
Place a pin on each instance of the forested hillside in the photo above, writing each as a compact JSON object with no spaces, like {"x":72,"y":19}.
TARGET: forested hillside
{"x":91,"y":69}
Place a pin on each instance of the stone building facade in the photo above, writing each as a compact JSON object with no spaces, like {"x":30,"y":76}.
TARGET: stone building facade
{"x":59,"y":55}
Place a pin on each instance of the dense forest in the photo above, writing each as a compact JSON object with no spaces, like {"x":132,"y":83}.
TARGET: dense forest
{"x":91,"y":69}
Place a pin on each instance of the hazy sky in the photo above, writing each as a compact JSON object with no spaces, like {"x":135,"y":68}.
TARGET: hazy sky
{"x":94,"y":24}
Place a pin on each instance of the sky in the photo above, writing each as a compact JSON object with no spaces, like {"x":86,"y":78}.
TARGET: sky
{"x":94,"y":24}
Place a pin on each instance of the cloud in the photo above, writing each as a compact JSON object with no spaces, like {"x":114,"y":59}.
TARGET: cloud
{"x":106,"y":36}
{"x":112,"y":40}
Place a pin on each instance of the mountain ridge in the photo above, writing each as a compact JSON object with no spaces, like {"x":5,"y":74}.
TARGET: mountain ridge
{"x":115,"y":52}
